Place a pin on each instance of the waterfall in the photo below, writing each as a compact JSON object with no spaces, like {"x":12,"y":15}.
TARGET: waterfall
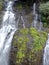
{"x":6,"y":34}
{"x":36,"y":24}
{"x":23,"y":21}
{"x":20,"y":19}
{"x":46,"y":53}
{"x":35,"y":20}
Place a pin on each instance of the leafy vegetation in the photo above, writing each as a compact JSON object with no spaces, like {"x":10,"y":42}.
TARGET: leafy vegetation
{"x":29,"y":42}
{"x":44,"y":9}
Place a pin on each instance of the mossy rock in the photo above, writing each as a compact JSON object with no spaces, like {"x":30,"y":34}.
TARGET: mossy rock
{"x":1,"y":5}
{"x":29,"y":44}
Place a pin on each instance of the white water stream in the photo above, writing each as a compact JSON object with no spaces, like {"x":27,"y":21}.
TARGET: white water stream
{"x":46,"y":53}
{"x":36,"y":24}
{"x":6,"y":34}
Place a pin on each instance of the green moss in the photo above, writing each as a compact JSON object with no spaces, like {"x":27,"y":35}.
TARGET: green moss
{"x":39,"y":42}
{"x":23,"y":39}
{"x":21,"y":43}
{"x":33,"y":32}
{"x":19,"y":6}
{"x":39,"y":39}
{"x":24,"y":31}
{"x":44,"y":34}
{"x":1,"y":6}
{"x":20,"y":56}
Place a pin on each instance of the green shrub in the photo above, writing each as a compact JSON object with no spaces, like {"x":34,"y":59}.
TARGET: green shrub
{"x":44,"y":8}
{"x":39,"y":38}
{"x":24,"y":31}
{"x":45,"y":24}
{"x":36,"y":41}
{"x":21,"y":44}
{"x":44,"y":19}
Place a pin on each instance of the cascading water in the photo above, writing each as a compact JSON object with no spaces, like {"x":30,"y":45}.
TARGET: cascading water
{"x":35,"y":15}
{"x":23,"y":21}
{"x":6,"y":34}
{"x":40,"y":24}
{"x":46,"y":53}
{"x":20,"y":19}
{"x":36,"y":24}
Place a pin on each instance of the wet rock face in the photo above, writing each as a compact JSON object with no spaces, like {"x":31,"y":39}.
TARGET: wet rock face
{"x":28,"y":0}
{"x":13,"y":55}
{"x":25,"y":48}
